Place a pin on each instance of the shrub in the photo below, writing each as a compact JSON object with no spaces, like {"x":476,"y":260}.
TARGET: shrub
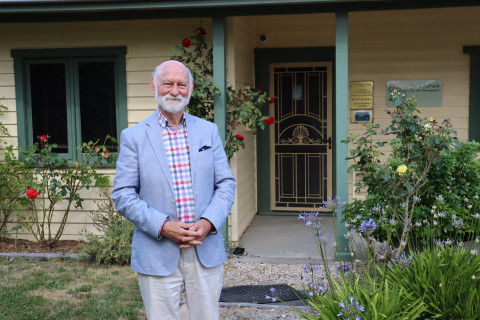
{"x":395,"y":187}
{"x":365,"y":299}
{"x":114,"y":245}
{"x":446,"y":279}
{"x":13,"y":180}
{"x":59,"y":180}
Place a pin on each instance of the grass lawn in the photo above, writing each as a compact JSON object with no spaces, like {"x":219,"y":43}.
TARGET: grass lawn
{"x":67,"y":289}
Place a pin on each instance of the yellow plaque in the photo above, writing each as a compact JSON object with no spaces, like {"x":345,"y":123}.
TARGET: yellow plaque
{"x":361,"y":102}
{"x":361,"y":88}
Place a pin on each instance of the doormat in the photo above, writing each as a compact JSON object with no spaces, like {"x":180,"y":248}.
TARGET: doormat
{"x":258,"y":293}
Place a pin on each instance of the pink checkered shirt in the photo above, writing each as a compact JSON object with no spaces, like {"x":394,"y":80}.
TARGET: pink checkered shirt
{"x":178,"y":155}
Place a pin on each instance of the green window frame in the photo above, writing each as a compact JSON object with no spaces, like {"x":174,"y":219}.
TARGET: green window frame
{"x":70,"y":59}
{"x":474,"y":105}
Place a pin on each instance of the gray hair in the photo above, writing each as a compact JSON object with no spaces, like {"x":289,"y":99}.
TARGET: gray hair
{"x":161,"y":68}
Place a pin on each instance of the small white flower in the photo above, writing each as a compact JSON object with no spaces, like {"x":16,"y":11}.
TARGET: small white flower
{"x":435,"y":222}
{"x":470,"y":206}
{"x":465,"y":199}
{"x":476,"y":216}
{"x":434,"y":207}
{"x":448,"y":242}
{"x":418,"y":224}
{"x":439,"y":254}
{"x":474,"y":252}
{"x":435,"y":216}
{"x":473,"y":277}
{"x":427,"y":126}
{"x":439,"y":198}
{"x":440,"y":285}
{"x":454,"y":216}
{"x":460,"y":244}
{"x":403,"y":244}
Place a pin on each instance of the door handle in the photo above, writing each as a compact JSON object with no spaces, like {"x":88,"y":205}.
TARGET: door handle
{"x":329,"y":141}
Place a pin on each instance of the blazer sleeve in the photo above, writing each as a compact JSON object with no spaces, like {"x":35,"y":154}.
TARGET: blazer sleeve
{"x":126,"y":188}
{"x":224,"y":189}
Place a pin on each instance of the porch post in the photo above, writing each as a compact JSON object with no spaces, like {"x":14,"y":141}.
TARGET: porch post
{"x":341,"y":124}
{"x":219,"y":79}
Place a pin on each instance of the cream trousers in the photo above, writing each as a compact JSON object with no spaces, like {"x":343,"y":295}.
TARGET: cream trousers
{"x":161,"y":295}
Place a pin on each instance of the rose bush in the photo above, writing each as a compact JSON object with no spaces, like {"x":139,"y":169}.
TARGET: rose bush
{"x":56,"y":181}
{"x":243,"y":106}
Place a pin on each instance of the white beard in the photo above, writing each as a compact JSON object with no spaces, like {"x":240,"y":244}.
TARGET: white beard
{"x":172,"y":104}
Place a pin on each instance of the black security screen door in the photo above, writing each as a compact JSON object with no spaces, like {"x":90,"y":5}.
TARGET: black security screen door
{"x":301,"y":143}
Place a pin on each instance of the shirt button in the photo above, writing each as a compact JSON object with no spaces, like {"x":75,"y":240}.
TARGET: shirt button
{"x":173,"y":201}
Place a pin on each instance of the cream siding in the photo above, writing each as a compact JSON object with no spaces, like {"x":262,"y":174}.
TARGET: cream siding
{"x":383,"y":45}
{"x":415,"y":45}
{"x":148,"y":43}
{"x":240,"y":63}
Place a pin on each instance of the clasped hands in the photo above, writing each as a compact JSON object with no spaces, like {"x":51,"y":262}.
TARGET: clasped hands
{"x":187,"y":235}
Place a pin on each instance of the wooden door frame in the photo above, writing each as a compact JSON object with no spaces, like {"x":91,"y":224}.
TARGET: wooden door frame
{"x":263,"y":58}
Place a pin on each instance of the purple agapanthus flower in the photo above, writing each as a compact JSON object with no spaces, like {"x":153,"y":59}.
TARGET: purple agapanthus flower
{"x":350,"y":310}
{"x":313,"y":222}
{"x":402,"y":261}
{"x":345,"y":268}
{"x":275,"y":295}
{"x":333,"y":204}
{"x":367,"y":227}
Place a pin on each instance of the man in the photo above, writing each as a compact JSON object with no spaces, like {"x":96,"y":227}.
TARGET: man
{"x":174,"y":183}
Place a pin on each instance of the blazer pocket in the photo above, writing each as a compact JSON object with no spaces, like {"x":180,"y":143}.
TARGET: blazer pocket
{"x":204,"y":148}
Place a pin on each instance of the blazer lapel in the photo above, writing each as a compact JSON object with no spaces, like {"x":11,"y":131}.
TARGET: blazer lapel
{"x":193,"y":144}
{"x":154,"y":133}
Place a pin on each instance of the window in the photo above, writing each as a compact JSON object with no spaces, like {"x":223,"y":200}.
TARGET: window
{"x":72,"y":95}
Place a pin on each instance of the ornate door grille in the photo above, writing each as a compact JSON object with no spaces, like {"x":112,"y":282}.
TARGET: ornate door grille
{"x":301,"y":161}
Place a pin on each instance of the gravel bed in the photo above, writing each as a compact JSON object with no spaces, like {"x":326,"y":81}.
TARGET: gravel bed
{"x":254,"y":273}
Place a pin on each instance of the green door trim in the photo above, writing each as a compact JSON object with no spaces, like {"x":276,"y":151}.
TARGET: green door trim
{"x":219,"y":79}
{"x":263,"y":58}
{"x":474,"y":104}
{"x":340,"y":181}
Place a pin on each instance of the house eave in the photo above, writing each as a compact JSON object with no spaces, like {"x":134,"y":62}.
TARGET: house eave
{"x":91,"y":10}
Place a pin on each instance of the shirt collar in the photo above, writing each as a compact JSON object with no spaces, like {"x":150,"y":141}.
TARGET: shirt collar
{"x":164,"y":122}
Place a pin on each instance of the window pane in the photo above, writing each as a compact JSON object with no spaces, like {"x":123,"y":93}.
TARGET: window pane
{"x":97,"y":100}
{"x":49,"y":103}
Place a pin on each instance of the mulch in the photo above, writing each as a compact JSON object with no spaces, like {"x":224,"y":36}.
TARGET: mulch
{"x":26,"y":246}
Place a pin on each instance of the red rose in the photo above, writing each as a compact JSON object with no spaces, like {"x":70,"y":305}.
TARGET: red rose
{"x":31,"y":193}
{"x":239,"y":137}
{"x":202,"y":32}
{"x":271,"y":100}
{"x":261,"y":89}
{"x":186,"y":43}
{"x":269,"y":121}
{"x":43,"y":138}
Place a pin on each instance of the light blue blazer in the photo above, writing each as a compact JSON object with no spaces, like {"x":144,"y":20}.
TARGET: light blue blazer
{"x":143,"y":192}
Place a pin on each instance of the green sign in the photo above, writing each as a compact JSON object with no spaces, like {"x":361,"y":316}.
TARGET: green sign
{"x":427,"y":92}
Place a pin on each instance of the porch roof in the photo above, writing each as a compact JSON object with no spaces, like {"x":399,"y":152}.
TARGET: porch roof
{"x":77,"y":10}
